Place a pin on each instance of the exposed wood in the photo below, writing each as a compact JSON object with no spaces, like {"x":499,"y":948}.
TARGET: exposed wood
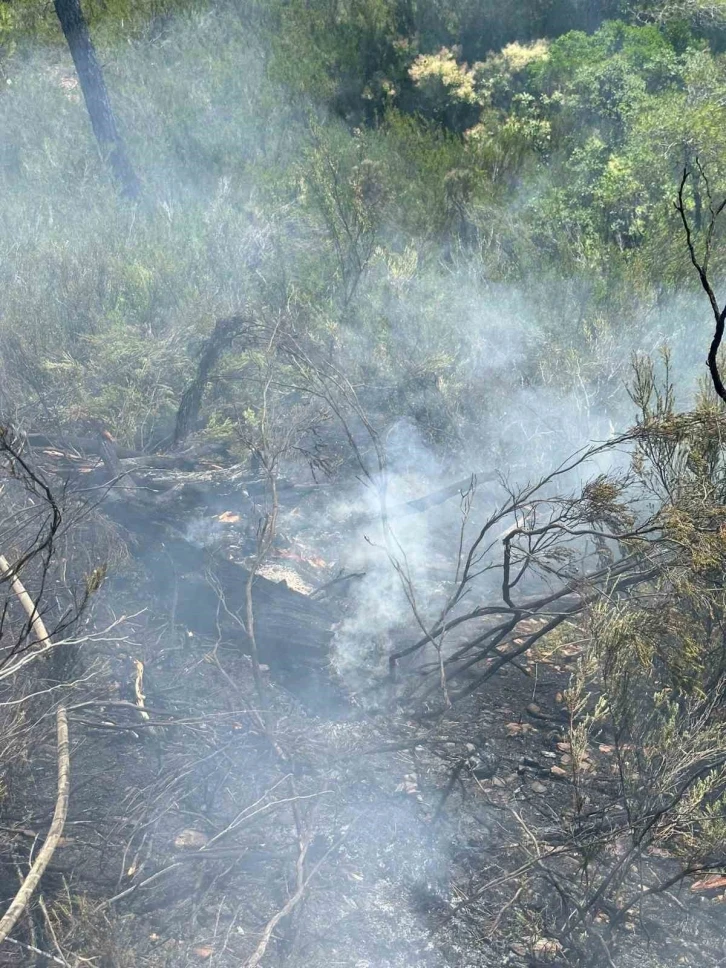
{"x":18,"y":589}
{"x":75,"y":445}
{"x":27,"y":888}
{"x":25,"y":892}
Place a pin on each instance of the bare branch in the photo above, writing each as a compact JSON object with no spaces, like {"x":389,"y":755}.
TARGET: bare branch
{"x":701,"y":267}
{"x":20,"y":901}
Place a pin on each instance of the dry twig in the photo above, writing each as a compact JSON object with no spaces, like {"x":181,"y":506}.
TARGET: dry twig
{"x":30,"y":883}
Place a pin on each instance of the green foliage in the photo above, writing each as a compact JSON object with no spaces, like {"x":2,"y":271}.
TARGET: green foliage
{"x":468,"y":209}
{"x":445,"y":89}
{"x":350,"y":54}
{"x":548,"y":166}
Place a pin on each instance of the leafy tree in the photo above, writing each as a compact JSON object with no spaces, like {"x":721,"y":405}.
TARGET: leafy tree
{"x":445,"y":89}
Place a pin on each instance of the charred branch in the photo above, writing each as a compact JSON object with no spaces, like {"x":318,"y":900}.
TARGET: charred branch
{"x":700,"y":264}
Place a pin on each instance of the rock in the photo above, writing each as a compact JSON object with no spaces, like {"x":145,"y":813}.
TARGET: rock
{"x":546,"y":948}
{"x":190,"y":840}
{"x":529,"y":763}
{"x":203,"y":952}
{"x":485,"y":765}
{"x":538,"y":787}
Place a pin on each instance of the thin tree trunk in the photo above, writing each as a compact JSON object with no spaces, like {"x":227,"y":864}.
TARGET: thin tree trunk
{"x":90,"y":76}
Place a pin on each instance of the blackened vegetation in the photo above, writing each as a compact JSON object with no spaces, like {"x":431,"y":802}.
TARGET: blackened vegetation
{"x":203,"y":584}
{"x":293,"y":632}
{"x":539,"y":764}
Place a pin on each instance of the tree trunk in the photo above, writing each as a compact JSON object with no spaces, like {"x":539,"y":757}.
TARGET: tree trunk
{"x":225,"y":330}
{"x":90,"y":76}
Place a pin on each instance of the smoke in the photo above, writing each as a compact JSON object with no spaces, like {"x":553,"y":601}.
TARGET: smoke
{"x":379,"y":613}
{"x":462,"y":371}
{"x":520,"y":414}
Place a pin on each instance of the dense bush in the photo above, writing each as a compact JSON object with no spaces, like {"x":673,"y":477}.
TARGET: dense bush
{"x":468,"y":188}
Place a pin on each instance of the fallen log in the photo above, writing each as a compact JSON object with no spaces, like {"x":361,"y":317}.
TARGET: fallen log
{"x":75,"y":445}
{"x":206,"y":592}
{"x":293,"y":631}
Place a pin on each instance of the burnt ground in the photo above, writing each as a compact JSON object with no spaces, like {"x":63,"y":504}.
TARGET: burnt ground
{"x":423,"y":839}
{"x":399,"y":847}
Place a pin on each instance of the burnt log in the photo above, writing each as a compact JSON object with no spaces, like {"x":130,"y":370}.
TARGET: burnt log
{"x":293,"y":631}
{"x":204,"y":591}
